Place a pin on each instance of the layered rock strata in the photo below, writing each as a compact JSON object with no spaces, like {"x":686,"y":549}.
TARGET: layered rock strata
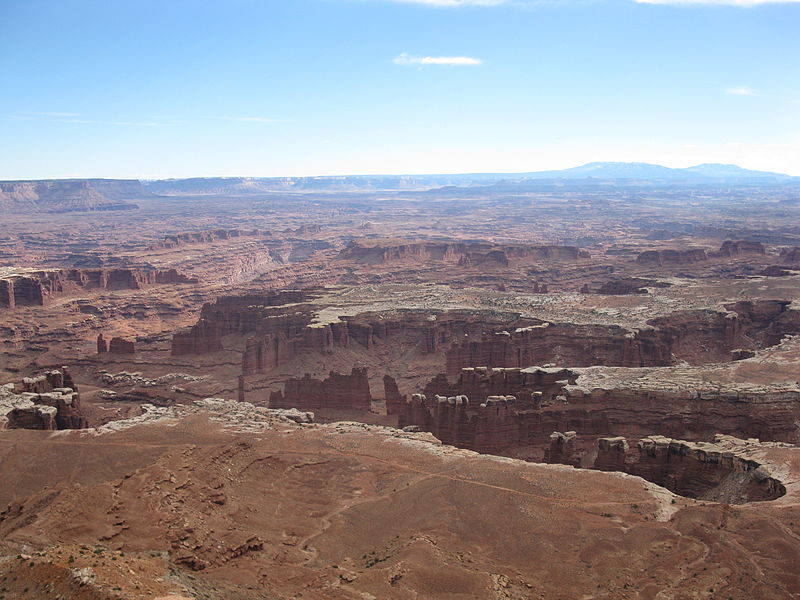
{"x":34,"y":288}
{"x":465,"y":254}
{"x":727,"y":470}
{"x":521,"y":424}
{"x":337,"y":391}
{"x":47,"y":402}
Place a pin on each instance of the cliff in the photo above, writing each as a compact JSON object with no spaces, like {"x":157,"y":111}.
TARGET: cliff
{"x":520,"y":424}
{"x":382,"y":251}
{"x":728,"y":470}
{"x":200,"y":237}
{"x":69,"y":195}
{"x":33,"y":288}
{"x":672,"y":257}
{"x":344,"y":392}
{"x":49,"y":401}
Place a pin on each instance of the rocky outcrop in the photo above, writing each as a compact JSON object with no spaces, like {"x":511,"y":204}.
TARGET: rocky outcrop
{"x":625,"y":286}
{"x":733,"y":249}
{"x":562,"y":449}
{"x":240,"y":315}
{"x":521,"y":425}
{"x":69,"y":195}
{"x":391,"y":394}
{"x":200,"y":237}
{"x":728,"y":470}
{"x":120,"y":345}
{"x":672,"y":257}
{"x":343,"y":392}
{"x":383,"y":251}
{"x":102,"y":344}
{"x":530,"y":386}
{"x":49,"y":401}
{"x":34,"y":288}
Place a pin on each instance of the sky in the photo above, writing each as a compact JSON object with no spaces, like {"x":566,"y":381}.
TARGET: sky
{"x":189,"y":88}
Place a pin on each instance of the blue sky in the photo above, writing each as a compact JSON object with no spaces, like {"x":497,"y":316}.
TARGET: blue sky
{"x":179,"y":88}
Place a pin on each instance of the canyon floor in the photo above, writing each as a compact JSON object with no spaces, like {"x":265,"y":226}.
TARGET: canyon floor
{"x":509,"y":391}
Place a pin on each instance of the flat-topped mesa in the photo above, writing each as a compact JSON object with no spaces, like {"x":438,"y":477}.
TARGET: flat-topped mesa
{"x":683,"y":412}
{"x":672,"y":257}
{"x":177,"y":240}
{"x":120,"y":345}
{"x":337,"y":391}
{"x":387,"y":250}
{"x":530,"y":386}
{"x":240,"y":315}
{"x":731,"y":249}
{"x":49,"y":401}
{"x":729,"y":470}
{"x":523,"y":429}
{"x":625,"y":286}
{"x":70,"y":195}
{"x":694,"y":336}
{"x":34,"y":288}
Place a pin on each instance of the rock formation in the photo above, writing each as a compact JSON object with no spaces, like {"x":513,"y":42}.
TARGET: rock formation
{"x":343,"y":392}
{"x":33,"y":288}
{"x":177,"y":240}
{"x":381,"y":251}
{"x":69,"y":195}
{"x":731,"y":249}
{"x":102,"y":344}
{"x":724,"y":471}
{"x":672,"y":257}
{"x":120,"y":345}
{"x":49,"y":401}
{"x":394,"y":401}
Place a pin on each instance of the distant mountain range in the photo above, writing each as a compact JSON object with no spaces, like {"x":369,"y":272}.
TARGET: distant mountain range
{"x":593,"y":171}
{"x":627,"y":170}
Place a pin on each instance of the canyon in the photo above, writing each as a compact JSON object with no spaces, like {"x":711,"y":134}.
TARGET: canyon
{"x":381,"y":387}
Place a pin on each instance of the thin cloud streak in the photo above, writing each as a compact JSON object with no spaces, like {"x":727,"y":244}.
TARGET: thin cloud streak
{"x":405,"y":59}
{"x":741,"y":91}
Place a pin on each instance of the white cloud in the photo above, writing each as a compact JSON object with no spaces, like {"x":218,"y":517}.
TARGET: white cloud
{"x":457,"y":61}
{"x":741,"y":91}
{"x":720,"y":2}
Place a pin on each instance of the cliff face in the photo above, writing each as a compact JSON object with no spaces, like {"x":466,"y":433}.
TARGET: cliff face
{"x":697,"y":337}
{"x":726,"y":470}
{"x":460,"y":253}
{"x":672,"y":257}
{"x":731,"y":249}
{"x":527,"y":406}
{"x":200,"y":237}
{"x":68,"y":195}
{"x":34,"y":288}
{"x":344,"y":392}
{"x":50,"y":401}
